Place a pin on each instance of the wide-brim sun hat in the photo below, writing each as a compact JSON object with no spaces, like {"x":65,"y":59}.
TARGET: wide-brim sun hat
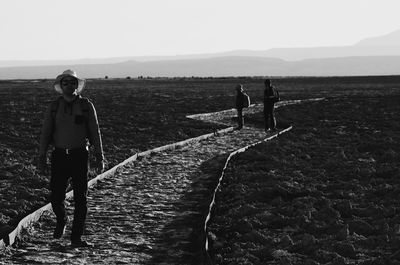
{"x":81,"y":82}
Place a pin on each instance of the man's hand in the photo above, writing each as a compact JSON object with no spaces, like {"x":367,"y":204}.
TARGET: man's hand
{"x":99,"y":163}
{"x":99,"y":167}
{"x":41,"y":164}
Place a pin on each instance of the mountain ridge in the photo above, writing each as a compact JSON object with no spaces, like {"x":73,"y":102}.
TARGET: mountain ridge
{"x":372,"y":56}
{"x":219,"y":67}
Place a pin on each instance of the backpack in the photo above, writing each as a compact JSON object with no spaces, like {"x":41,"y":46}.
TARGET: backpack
{"x":85,"y":105}
{"x":275,"y":94}
{"x":277,"y":97}
{"x":246,"y":101}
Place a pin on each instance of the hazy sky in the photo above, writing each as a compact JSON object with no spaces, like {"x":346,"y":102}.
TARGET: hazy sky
{"x":73,"y":29}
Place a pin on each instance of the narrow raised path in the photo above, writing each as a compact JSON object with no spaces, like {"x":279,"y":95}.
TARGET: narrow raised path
{"x":145,"y":214}
{"x":148,"y":212}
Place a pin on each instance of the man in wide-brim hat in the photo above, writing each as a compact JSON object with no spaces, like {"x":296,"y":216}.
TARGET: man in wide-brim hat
{"x":69,"y":74}
{"x":71,"y":126}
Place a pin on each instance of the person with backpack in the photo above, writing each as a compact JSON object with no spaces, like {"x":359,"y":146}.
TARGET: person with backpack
{"x":242,"y":101}
{"x":271,"y":96}
{"x":71,"y":126}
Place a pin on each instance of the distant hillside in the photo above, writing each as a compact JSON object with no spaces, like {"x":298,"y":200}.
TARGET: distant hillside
{"x":221,"y":66}
{"x":372,"y":56}
{"x":386,"y":45}
{"x":295,"y":54}
{"x":390,"y":40}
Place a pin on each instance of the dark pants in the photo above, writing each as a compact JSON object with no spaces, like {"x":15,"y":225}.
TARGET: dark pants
{"x":240,"y":118}
{"x":63,"y":167}
{"x":269,"y":117}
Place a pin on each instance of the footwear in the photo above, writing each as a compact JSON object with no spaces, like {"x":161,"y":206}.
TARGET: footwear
{"x":59,"y":231}
{"x":80,"y":244}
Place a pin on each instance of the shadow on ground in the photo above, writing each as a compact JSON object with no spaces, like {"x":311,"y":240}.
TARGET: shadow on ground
{"x":182,"y":240}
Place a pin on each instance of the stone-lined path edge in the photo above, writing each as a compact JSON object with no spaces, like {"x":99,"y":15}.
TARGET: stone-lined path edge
{"x":33,"y":217}
{"x":231,"y":155}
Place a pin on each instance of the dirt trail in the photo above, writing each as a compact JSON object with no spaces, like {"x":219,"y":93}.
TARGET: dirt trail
{"x":149,"y":212}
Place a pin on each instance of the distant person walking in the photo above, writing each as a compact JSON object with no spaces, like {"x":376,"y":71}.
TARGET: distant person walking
{"x":242,"y":101}
{"x":71,"y":126}
{"x":271,"y":96}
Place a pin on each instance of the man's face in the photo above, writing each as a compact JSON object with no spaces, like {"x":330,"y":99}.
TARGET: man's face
{"x":69,"y":84}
